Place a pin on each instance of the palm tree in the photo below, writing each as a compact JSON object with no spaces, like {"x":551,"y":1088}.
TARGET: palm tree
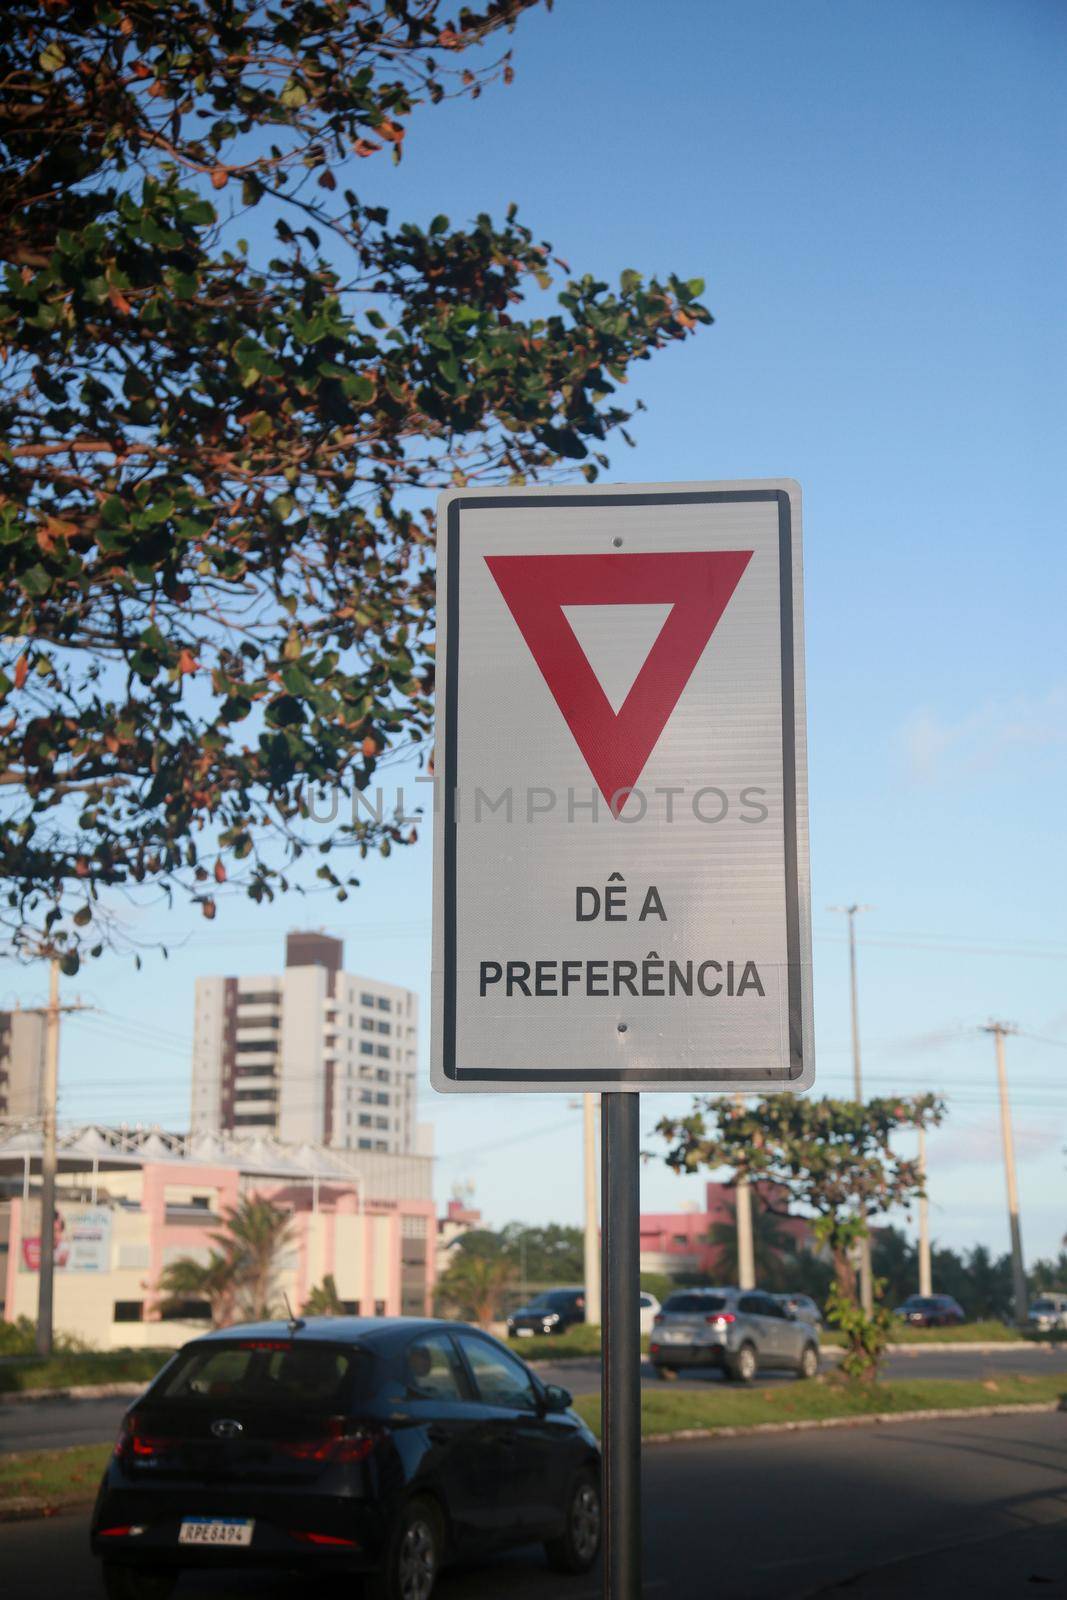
{"x":187,"y":1279}
{"x":474,"y":1286}
{"x":238,"y":1279}
{"x":254,"y":1235}
{"x":323,"y":1300}
{"x":770,"y":1242}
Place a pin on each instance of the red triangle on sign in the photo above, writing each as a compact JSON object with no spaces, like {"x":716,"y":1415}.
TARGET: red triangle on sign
{"x":697,"y":584}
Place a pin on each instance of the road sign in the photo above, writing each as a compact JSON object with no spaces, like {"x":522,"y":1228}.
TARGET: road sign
{"x":621,"y":879}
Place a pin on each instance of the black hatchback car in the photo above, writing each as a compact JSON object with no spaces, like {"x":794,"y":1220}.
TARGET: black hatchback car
{"x":344,"y":1444}
{"x":552,"y":1312}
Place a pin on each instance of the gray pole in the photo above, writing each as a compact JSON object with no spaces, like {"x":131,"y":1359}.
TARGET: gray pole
{"x":621,"y":1370}
{"x":866,"y":1274}
{"x":1018,"y":1272}
{"x":592,"y":1227}
{"x":46,"y":1266}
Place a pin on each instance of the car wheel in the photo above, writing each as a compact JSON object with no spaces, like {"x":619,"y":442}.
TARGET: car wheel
{"x":137,"y":1583}
{"x":413,"y":1556}
{"x":809,"y":1362}
{"x":745,"y":1364}
{"x":576,"y":1550}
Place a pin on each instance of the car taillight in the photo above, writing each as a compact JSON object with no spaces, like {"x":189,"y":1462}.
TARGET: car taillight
{"x":721,"y":1317}
{"x":323,"y":1538}
{"x":334,"y":1445}
{"x":657,"y":1319}
{"x":134,"y":1444}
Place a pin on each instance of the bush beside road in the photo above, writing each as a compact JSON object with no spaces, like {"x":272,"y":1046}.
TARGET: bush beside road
{"x":72,"y":1369}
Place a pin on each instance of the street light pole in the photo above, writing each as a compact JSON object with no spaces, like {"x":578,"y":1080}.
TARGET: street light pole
{"x":925,"y":1275}
{"x":1018,"y":1272}
{"x":47,"y":1241}
{"x":866,"y":1275}
{"x":746,"y":1255}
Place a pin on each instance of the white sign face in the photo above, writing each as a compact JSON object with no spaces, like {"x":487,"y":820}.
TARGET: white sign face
{"x":621,"y":890}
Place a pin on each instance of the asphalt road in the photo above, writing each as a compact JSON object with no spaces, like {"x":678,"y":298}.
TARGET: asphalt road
{"x":50,"y":1424}
{"x":977,"y":1507}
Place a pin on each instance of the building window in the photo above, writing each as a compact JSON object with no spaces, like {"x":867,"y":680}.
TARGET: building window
{"x":382,"y":1122}
{"x":379,"y":1308}
{"x":128,"y":1311}
{"x":382,"y":1050}
{"x":350,"y":1308}
{"x":365,"y":1047}
{"x":365,"y":1097}
{"x":364,"y":1144}
{"x":367,"y":1024}
{"x":364,"y":1121}
{"x":384,"y":1004}
{"x":382,"y":1099}
{"x":381,"y":1144}
{"x":186,"y":1311}
{"x":383,"y":1076}
{"x":366,"y":999}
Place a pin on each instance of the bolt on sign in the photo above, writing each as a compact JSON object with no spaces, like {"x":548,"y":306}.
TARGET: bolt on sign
{"x":621,"y":834}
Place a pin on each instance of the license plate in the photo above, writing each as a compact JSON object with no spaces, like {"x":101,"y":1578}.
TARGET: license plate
{"x":675,"y":1336}
{"x":216,"y":1530}
{"x":524,"y":1333}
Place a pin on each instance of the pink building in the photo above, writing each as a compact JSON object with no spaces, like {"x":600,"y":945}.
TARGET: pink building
{"x":678,"y":1241}
{"x":129,"y":1203}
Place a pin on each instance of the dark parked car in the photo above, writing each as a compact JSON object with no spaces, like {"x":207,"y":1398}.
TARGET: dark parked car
{"x":552,"y":1312}
{"x":342,"y":1445}
{"x":930,"y":1311}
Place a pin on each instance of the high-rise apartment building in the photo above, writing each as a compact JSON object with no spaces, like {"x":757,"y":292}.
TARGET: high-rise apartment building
{"x":21,"y":1063}
{"x":312,"y":1054}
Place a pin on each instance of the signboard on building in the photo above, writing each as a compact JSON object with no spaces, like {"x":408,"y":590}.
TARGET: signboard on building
{"x":621,"y":854}
{"x":82,"y":1241}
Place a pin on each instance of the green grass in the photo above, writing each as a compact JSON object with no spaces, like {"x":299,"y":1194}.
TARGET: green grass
{"x":577,"y":1341}
{"x":723,"y":1405}
{"x":54,"y":1478}
{"x":964,"y":1333}
{"x":63,"y":1370}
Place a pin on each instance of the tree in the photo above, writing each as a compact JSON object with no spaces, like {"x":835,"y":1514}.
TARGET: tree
{"x":770,"y":1243}
{"x":832,"y":1157}
{"x":238,"y":1279}
{"x":553,"y":1254}
{"x":474,"y":1286}
{"x":215,"y":542}
{"x":323,"y":1300}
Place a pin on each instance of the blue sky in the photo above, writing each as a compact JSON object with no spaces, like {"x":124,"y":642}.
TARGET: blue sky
{"x":874,"y":195}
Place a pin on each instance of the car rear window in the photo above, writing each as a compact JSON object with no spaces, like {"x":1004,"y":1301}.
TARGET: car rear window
{"x":695,"y":1302}
{"x":264,"y":1372}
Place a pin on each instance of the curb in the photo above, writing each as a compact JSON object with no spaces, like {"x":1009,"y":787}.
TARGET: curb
{"x":77,"y":1391}
{"x":872,"y":1419}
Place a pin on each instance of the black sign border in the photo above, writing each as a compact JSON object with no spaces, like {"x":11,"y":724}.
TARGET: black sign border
{"x":609,"y":1077}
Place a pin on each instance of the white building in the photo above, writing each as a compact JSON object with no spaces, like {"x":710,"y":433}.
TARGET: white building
{"x":309,"y":1055}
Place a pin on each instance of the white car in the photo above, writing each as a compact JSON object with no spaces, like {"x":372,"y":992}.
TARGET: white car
{"x":650,"y":1308}
{"x":1047,"y":1313}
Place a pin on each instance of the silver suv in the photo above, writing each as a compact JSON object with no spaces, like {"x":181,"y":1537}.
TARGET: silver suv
{"x":738,"y":1330}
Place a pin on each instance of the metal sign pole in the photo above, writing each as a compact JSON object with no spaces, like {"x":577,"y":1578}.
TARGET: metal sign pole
{"x":621,"y":1368}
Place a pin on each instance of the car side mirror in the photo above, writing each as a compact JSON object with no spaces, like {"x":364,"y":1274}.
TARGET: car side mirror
{"x":557,"y":1399}
{"x":790,"y":1313}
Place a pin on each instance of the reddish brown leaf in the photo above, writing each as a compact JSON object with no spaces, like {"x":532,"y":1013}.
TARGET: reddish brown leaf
{"x":22,"y":666}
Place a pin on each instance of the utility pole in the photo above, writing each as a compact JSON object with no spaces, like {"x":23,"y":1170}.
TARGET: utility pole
{"x":1018,"y":1273}
{"x":592,"y":1231}
{"x":866,"y":1275}
{"x":50,"y":1090}
{"x":746,"y":1256}
{"x":925,"y":1276}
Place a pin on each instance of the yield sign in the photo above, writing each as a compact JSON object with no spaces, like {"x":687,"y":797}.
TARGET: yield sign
{"x":698,"y":586}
